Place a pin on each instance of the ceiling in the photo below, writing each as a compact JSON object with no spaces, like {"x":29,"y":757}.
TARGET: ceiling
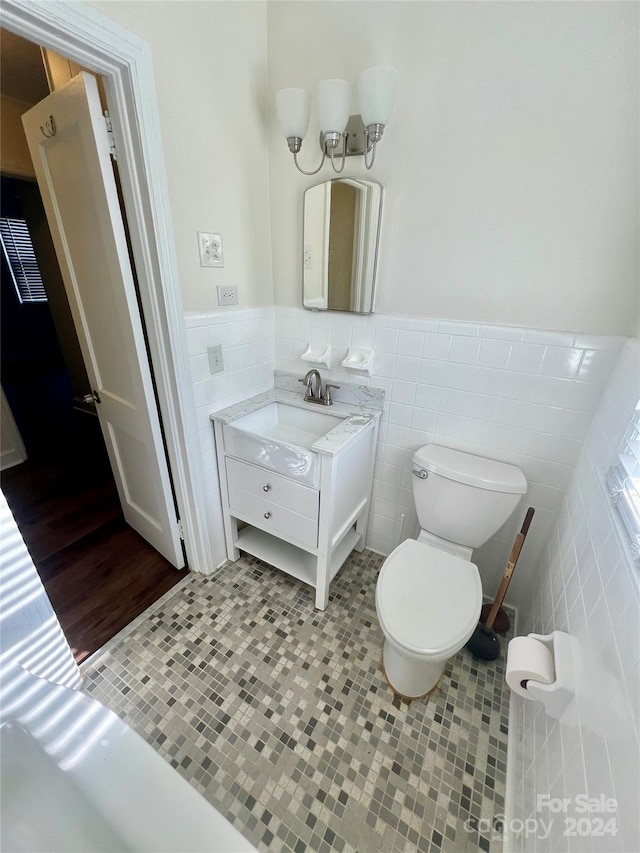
{"x":21,"y":69}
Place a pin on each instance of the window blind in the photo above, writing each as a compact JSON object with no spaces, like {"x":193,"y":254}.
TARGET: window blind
{"x":18,"y":250}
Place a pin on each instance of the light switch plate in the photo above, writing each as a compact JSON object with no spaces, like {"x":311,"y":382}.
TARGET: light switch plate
{"x":216,"y":361}
{"x":210,"y":246}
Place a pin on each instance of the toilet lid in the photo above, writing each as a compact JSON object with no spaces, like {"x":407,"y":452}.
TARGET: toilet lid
{"x":427,"y":600}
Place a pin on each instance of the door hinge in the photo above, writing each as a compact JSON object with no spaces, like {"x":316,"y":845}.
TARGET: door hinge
{"x":112,"y":142}
{"x":180,"y":529}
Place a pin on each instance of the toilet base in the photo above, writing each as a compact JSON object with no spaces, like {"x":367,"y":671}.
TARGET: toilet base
{"x":409,"y":678}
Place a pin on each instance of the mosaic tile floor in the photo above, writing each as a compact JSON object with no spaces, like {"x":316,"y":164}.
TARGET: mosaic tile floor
{"x":279,"y":715}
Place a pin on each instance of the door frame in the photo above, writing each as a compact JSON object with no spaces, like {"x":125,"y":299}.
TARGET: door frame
{"x":123,"y":59}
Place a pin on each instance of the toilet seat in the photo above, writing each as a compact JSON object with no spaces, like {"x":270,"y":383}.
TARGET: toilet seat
{"x":428,"y":601}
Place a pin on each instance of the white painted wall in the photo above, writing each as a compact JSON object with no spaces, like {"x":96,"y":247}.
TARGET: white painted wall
{"x":586,"y":584}
{"x":510,"y":166}
{"x":210,"y":69}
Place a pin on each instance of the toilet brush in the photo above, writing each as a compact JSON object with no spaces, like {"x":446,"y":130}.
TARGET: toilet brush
{"x":484,"y":642}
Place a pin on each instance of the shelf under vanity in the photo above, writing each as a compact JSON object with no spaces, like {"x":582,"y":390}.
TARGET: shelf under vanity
{"x":291,"y":558}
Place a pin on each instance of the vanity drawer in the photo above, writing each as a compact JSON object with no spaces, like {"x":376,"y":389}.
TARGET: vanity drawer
{"x":271,"y":488}
{"x":273,"y":518}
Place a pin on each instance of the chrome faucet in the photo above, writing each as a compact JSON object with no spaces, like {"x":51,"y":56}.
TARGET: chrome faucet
{"x":317,"y":391}
{"x":313,"y":383}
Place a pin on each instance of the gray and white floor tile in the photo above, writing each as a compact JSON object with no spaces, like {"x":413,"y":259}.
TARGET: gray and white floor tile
{"x":280,"y":716}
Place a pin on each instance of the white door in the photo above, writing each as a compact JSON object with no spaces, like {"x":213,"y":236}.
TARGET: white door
{"x":70,"y":150}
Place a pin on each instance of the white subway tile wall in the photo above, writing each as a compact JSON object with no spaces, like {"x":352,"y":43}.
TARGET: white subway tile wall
{"x":247,"y":337}
{"x":586,"y":584}
{"x":523,"y":396}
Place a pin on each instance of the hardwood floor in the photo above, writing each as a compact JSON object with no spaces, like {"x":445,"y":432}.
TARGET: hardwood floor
{"x":98,"y":573}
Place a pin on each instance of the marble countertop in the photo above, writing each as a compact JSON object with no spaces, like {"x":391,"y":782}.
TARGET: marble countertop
{"x":356,"y":417}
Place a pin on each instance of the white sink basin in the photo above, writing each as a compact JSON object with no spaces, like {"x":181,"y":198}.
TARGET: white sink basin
{"x":280,"y":437}
{"x":280,"y":422}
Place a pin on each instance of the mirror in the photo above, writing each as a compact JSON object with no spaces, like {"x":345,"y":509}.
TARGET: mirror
{"x":340,"y":239}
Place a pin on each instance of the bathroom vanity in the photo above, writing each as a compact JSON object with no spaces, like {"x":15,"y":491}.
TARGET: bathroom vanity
{"x":298,"y":477}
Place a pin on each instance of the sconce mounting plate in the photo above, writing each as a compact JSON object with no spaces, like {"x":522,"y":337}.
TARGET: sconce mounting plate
{"x":355,"y":139}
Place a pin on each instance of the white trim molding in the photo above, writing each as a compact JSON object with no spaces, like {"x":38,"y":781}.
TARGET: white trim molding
{"x":87,"y":37}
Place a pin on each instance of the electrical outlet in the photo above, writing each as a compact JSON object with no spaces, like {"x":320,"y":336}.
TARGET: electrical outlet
{"x":210,"y":246}
{"x":216,"y":361}
{"x":227,"y":295}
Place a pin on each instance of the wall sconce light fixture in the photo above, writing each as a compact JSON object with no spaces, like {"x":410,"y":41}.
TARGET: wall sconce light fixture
{"x":341,"y":135}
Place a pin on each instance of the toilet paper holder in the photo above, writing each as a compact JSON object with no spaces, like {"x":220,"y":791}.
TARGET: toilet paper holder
{"x":557,"y":695}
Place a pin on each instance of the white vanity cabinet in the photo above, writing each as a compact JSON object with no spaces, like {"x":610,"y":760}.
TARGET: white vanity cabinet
{"x":305,"y":529}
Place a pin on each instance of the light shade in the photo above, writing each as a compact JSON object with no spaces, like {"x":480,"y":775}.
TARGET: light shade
{"x":334,"y":103}
{"x":294,"y":111}
{"x":377,"y":93}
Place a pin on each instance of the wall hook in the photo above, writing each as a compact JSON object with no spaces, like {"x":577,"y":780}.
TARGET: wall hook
{"x":49,"y":128}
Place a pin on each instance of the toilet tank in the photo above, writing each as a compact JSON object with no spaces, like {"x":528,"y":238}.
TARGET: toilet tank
{"x":462,"y":497}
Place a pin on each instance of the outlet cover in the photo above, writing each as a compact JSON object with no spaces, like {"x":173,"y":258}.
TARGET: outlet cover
{"x":227,"y":294}
{"x":216,"y":361}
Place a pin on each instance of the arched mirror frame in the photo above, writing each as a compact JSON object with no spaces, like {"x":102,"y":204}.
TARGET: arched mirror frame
{"x":331,"y":253}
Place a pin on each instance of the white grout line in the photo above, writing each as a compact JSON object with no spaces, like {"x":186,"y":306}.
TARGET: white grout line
{"x":95,"y":658}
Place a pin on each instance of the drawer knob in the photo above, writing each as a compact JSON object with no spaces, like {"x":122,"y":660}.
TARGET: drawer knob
{"x":266,"y":488}
{"x":267,"y":515}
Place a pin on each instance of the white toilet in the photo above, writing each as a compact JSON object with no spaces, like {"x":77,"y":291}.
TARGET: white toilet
{"x":429,"y":594}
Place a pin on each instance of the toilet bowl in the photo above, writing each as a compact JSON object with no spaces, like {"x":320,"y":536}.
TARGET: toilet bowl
{"x":429,"y":593}
{"x":428,"y":604}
